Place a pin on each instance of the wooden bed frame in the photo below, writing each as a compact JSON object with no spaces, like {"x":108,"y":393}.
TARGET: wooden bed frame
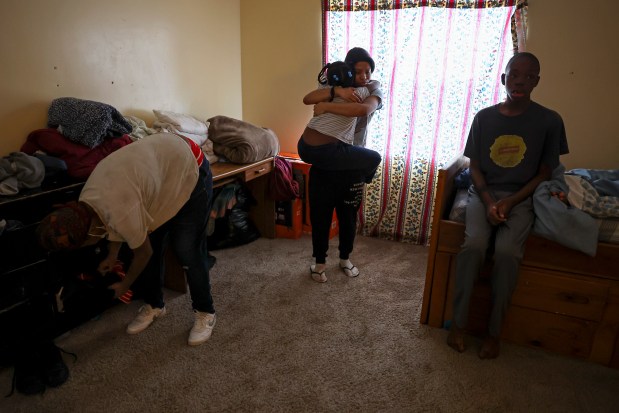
{"x":565,"y":301}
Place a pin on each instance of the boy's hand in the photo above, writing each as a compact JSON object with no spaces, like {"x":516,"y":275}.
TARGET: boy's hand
{"x":497,"y":213}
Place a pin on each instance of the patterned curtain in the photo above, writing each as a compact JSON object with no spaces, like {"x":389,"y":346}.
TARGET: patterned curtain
{"x":439,"y":63}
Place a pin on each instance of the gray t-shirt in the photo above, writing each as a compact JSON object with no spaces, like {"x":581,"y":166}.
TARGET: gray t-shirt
{"x":510,"y":149}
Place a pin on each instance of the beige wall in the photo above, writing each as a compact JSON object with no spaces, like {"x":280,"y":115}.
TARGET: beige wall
{"x":281,"y":52}
{"x":136,"y":55}
{"x":281,"y":55}
{"x":576,"y":44}
{"x":187,"y":56}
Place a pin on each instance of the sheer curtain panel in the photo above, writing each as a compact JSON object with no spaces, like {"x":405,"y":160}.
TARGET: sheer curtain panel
{"x":439,"y":63}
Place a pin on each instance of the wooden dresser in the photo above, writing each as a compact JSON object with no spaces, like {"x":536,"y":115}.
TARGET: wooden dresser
{"x":256,"y":177}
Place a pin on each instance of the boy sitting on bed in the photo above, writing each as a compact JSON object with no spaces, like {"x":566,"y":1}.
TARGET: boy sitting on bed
{"x":513,"y":147}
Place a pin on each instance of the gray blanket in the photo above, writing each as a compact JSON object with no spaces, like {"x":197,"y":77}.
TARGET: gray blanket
{"x":241,"y":142}
{"x":561,"y":223}
{"x":85,"y":121}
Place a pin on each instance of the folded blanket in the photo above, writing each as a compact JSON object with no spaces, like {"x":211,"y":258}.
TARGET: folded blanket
{"x":241,"y":142}
{"x":85,"y":121}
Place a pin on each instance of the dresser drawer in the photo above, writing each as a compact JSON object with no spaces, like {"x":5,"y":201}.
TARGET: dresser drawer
{"x":19,"y":248}
{"x":573,"y":296}
{"x":33,"y":205}
{"x":561,"y":334}
{"x":258,"y":170}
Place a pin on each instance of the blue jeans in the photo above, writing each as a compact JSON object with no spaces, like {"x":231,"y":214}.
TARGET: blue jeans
{"x":186,"y":234}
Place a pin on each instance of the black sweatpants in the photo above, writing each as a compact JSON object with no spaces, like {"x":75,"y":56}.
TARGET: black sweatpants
{"x":329,"y":190}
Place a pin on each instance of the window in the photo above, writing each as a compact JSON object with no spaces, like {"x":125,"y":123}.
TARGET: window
{"x":439,"y":63}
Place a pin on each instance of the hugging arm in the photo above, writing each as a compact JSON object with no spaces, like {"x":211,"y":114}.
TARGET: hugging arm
{"x":324,"y":95}
{"x":369,"y":105}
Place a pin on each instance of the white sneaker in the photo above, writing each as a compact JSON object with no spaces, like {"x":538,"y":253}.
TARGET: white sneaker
{"x":145,"y":317}
{"x":202,"y":328}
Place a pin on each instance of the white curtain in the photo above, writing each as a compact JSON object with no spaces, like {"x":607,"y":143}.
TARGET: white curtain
{"x":438,"y":66}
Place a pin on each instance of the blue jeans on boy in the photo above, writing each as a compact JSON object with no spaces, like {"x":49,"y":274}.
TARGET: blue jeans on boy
{"x":186,"y":234}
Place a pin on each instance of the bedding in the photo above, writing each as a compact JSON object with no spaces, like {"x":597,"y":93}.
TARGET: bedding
{"x":587,"y":218}
{"x":562,"y":223}
{"x":180,"y":122}
{"x":80,"y":159}
{"x":584,"y":195}
{"x":188,"y":126}
{"x":458,"y":209}
{"x":20,"y":170}
{"x":241,"y":142}
{"x":605,"y":181}
{"x":85,"y":121}
{"x":139,"y":129}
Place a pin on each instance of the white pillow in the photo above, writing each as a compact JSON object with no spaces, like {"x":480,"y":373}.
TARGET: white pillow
{"x":182,"y":122}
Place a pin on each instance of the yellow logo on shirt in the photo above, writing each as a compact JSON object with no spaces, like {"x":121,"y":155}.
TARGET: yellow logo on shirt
{"x":508,"y":151}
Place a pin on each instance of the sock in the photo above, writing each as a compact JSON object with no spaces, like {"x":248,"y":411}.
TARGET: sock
{"x":319,"y":267}
{"x":318,"y":272}
{"x":350,"y":269}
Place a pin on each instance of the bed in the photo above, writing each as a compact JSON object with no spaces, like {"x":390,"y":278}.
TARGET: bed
{"x":566,"y":301}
